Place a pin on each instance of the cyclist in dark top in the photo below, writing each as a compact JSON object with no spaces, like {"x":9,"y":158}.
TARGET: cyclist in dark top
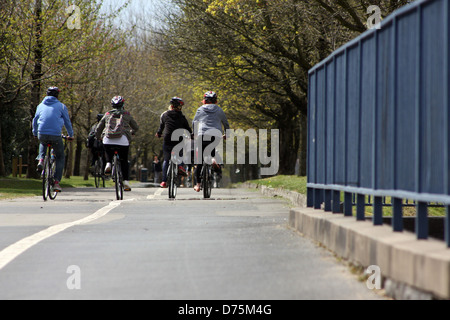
{"x":95,"y":145}
{"x":171,"y":120}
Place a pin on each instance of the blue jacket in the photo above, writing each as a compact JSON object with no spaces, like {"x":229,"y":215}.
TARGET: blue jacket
{"x":51,"y":116}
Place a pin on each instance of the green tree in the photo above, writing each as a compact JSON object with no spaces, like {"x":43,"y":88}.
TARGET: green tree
{"x":49,"y":43}
{"x":258,"y":53}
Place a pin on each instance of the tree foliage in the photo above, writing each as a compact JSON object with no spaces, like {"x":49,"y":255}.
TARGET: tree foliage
{"x":257,"y":53}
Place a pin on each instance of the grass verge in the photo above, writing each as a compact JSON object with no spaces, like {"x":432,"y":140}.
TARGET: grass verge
{"x":298,"y":184}
{"x":11,"y":188}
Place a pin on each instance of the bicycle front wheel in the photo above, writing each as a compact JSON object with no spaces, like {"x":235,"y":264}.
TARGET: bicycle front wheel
{"x":97,"y":173}
{"x":206,"y":181}
{"x":172,"y":178}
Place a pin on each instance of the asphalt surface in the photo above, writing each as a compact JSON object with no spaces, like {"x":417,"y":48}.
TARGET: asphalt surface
{"x":235,"y":246}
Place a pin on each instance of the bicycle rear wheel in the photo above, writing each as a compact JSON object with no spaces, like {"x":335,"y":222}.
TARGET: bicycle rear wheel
{"x":206,"y":181}
{"x":118,"y":179}
{"x":99,"y":176}
{"x":172,"y":178}
{"x":45,"y":178}
{"x":51,"y":191}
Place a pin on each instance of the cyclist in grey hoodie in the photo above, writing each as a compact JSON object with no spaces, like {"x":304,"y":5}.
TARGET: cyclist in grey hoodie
{"x":207,"y":124}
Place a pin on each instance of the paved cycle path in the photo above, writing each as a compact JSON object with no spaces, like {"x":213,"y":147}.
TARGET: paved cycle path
{"x":236,"y":245}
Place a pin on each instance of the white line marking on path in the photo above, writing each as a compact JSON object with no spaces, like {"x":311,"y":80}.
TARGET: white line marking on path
{"x":157,"y":193}
{"x":10,"y":253}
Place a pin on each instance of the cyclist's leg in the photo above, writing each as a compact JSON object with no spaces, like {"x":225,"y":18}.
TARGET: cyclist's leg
{"x":109,"y":154}
{"x":58,"y":146}
{"x":94,"y":154}
{"x":124,"y":165}
{"x":43,"y":140}
{"x":167,"y":151}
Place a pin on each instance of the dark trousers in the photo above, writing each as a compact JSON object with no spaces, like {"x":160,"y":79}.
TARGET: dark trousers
{"x":167,"y":151}
{"x":198,"y":168}
{"x":123,"y":156}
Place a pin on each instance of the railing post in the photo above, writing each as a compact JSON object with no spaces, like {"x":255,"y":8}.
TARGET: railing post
{"x":360,"y":207}
{"x":317,"y":198}
{"x":421,"y":221}
{"x":377,"y":218}
{"x":397,"y":214}
{"x":348,"y":208}
{"x":327,"y":200}
{"x":336,"y":201}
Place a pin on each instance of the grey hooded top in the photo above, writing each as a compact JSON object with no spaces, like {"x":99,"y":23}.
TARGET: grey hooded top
{"x":209,"y":116}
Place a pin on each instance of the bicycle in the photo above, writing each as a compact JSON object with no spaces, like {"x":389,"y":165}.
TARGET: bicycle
{"x":117,"y":176}
{"x":99,"y":173}
{"x":48,"y":173}
{"x":172,"y":177}
{"x":206,"y":175}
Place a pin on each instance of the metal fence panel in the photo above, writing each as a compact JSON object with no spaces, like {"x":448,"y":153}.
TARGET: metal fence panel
{"x":406,"y":77}
{"x":352,"y":116}
{"x":340,"y":127}
{"x":379,"y":118}
{"x":385,"y":111}
{"x":330,"y":118}
{"x":432,"y":102}
{"x":368,"y":91}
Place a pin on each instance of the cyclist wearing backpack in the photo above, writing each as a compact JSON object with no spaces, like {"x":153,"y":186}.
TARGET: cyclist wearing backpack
{"x":115,"y":130}
{"x":51,"y":115}
{"x":95,"y":145}
{"x":170,"y":121}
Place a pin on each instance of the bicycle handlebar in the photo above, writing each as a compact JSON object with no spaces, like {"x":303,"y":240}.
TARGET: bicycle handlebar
{"x":67,"y":137}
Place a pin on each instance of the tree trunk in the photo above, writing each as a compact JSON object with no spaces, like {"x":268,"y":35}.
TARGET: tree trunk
{"x":69,"y":161}
{"x":77,"y":163}
{"x":288,"y":149}
{"x":35,"y":89}
{"x":2,"y":163}
{"x":87,"y":166}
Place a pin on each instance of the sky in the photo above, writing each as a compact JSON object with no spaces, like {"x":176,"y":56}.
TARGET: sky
{"x":136,"y":10}
{"x":134,"y":6}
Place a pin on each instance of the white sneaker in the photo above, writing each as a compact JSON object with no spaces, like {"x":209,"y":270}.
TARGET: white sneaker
{"x":108,"y":168}
{"x":126,"y":186}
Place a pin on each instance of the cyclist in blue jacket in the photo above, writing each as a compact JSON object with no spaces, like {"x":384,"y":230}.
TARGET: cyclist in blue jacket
{"x":51,"y":116}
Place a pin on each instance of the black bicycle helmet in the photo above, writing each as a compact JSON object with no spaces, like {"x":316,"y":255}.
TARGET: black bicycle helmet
{"x":53,"y":91}
{"x":210,"y":96}
{"x":177,"y":102}
{"x":117,"y":102}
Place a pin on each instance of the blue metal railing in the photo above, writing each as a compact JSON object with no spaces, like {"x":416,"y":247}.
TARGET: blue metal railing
{"x":379,"y":120}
